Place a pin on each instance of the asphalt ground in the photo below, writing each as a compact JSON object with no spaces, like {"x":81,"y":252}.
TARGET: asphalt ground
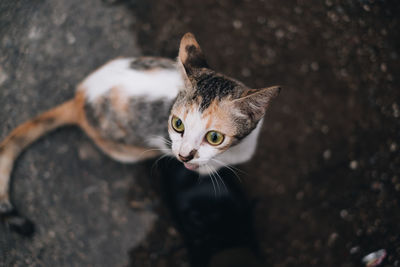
{"x":77,"y":197}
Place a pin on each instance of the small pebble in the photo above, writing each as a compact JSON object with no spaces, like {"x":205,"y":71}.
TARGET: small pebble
{"x":52,"y":234}
{"x":70,"y":38}
{"x":354,"y":250}
{"x":34,"y":33}
{"x":397,"y":187}
{"x":332,"y":239}
{"x":396,"y":111}
{"x":383,"y":67}
{"x":237,"y":24}
{"x":314,"y":66}
{"x":246,"y":72}
{"x":366,"y":8}
{"x":393,"y":147}
{"x":279,"y":34}
{"x":353,"y":164}
{"x":3,"y":76}
{"x":172,"y":231}
{"x":344,"y":214}
{"x":298,"y":10}
{"x":327,"y":154}
{"x":325,"y":129}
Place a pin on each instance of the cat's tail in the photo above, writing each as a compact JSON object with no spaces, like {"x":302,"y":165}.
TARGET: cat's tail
{"x":20,"y":138}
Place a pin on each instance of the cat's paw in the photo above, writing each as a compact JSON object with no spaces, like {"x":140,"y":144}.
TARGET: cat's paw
{"x":18,"y":223}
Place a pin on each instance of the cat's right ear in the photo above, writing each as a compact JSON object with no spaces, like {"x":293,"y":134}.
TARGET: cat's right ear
{"x":255,"y":102}
{"x":190,"y":54}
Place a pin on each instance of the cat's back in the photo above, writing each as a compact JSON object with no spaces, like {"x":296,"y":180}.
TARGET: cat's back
{"x":128,"y":100}
{"x":149,"y":77}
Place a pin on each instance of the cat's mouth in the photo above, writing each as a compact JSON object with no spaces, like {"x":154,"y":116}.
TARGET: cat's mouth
{"x":191,"y":166}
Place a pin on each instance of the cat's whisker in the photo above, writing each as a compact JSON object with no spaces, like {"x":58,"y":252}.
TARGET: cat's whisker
{"x":233,"y":171}
{"x":155,"y":149}
{"x":165,"y":141}
{"x":221,"y":179}
{"x":212,"y":180}
{"x":156,"y":162}
{"x":216,"y":175}
{"x":218,"y":192}
{"x":216,"y":179}
{"x":163,"y":156}
{"x":231,"y":168}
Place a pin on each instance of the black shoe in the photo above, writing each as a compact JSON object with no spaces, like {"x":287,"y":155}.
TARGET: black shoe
{"x":214,"y":217}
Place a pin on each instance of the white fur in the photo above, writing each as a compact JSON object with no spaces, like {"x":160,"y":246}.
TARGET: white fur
{"x":240,"y":153}
{"x":155,"y":84}
{"x":209,"y":158}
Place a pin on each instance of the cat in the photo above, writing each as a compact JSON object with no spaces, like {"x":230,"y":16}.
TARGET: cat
{"x":138,"y":108}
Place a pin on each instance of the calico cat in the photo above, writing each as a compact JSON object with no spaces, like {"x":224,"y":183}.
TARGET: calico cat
{"x":138,"y":108}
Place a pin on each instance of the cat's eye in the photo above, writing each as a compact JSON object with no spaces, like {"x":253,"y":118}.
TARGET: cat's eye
{"x":177,"y":124}
{"x":214,"y":138}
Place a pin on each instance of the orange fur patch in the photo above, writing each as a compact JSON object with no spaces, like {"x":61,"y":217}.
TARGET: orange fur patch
{"x":187,"y":40}
{"x":218,"y":117}
{"x":118,"y":101}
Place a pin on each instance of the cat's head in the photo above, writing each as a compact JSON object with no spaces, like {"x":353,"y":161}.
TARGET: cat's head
{"x":212,"y":112}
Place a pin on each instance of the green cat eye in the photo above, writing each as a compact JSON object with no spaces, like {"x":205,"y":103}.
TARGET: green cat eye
{"x":177,"y":124}
{"x":214,"y":138}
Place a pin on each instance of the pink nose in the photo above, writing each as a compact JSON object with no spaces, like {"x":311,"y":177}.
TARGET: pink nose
{"x":187,"y":158}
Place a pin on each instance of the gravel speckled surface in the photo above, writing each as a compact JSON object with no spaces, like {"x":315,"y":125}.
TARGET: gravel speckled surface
{"x":327,"y":170}
{"x":77,"y":197}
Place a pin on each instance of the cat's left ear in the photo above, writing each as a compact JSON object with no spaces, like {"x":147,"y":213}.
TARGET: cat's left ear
{"x":255,"y":102}
{"x":190,"y":54}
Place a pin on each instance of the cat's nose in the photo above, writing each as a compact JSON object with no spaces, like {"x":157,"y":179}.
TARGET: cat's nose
{"x":187,"y":158}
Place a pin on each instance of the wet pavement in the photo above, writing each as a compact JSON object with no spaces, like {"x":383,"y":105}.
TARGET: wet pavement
{"x":326,"y":176}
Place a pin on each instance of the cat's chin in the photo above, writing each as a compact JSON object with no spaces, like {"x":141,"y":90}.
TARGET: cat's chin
{"x":191,"y":166}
